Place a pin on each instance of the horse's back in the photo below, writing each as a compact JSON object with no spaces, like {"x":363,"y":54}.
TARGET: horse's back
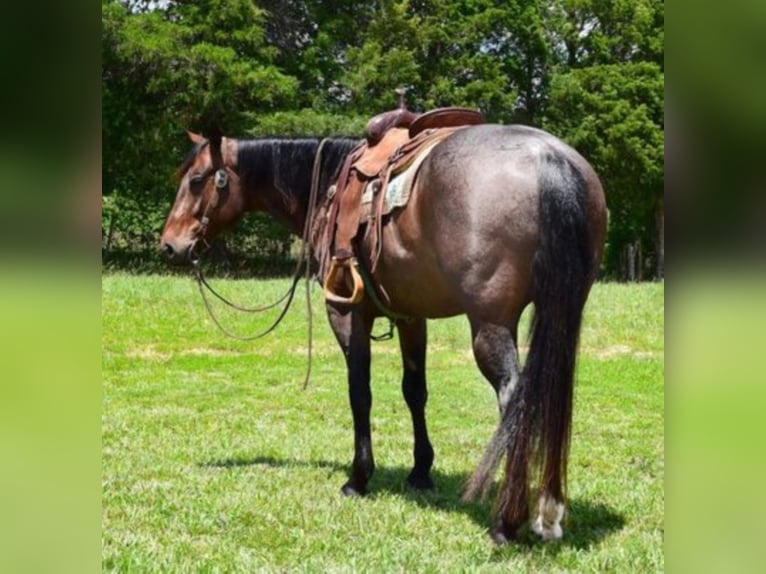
{"x":506,"y":154}
{"x":468,"y":237}
{"x":492,"y":173}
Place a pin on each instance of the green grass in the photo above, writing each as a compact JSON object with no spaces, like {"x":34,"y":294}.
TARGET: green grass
{"x":215,"y":459}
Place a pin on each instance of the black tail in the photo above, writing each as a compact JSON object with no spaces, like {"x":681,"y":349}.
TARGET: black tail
{"x":535,"y":427}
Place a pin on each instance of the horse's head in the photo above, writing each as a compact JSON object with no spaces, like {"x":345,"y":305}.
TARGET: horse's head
{"x":209,"y":198}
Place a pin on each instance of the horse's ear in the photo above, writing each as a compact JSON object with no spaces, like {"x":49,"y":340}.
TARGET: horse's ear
{"x":215,"y":139}
{"x":215,"y":146}
{"x":195,"y":138}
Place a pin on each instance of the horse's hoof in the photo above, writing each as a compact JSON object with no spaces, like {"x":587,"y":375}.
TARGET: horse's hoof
{"x":547,"y":525}
{"x":349,"y":490}
{"x":502,"y":533}
{"x":552,"y":532}
{"x":500,"y":536}
{"x":420,"y":482}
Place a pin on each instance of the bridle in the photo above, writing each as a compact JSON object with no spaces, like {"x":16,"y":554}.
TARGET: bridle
{"x":302,"y":267}
{"x":221,"y":183}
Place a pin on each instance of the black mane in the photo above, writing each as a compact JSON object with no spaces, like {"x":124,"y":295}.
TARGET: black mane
{"x":288,"y":162}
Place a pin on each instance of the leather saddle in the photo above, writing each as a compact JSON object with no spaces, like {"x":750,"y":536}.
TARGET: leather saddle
{"x":393,"y":139}
{"x":401,"y":117}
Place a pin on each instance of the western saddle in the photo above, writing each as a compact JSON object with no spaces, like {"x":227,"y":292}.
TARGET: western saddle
{"x":394,"y":141}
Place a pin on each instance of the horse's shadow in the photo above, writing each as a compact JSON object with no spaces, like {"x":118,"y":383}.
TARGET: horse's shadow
{"x":587,"y":523}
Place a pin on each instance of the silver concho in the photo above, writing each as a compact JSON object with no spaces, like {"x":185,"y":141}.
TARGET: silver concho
{"x":221,"y":178}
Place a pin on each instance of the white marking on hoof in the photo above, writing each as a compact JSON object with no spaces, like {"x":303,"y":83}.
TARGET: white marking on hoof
{"x":547,"y":525}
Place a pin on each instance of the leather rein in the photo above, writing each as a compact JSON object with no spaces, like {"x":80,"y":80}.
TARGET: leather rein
{"x":221,"y":182}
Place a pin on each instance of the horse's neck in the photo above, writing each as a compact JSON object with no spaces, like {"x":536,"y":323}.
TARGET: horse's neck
{"x":282,"y":191}
{"x":279,"y":175}
{"x":289,"y":206}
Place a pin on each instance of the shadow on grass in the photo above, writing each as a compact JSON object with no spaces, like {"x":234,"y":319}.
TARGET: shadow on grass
{"x":588,"y":523}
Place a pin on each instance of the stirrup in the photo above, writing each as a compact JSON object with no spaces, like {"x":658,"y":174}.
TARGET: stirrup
{"x":353,"y":281}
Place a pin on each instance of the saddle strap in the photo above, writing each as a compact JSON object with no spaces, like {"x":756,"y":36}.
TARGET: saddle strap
{"x":336,"y":206}
{"x":348,"y":222}
{"x":375,"y":227}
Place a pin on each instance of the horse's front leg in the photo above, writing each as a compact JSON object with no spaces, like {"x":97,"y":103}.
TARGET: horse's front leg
{"x":412,"y":342}
{"x":352,"y":330}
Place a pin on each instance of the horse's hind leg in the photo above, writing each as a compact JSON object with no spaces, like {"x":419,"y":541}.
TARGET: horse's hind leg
{"x":495,"y":350}
{"x":352,"y":330}
{"x":494,"y":347}
{"x":496,"y":354}
{"x":412,"y":341}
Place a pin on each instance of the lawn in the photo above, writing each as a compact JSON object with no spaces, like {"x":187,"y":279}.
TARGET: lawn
{"x":215,"y":459}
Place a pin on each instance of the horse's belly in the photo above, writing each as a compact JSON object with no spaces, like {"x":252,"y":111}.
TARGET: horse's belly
{"x":454,"y":271}
{"x":415,"y":291}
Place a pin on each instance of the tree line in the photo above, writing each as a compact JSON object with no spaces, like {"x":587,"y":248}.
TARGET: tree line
{"x":588,"y":71}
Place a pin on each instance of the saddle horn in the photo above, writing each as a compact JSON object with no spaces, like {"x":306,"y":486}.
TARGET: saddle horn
{"x":402,"y":91}
{"x":400,"y":117}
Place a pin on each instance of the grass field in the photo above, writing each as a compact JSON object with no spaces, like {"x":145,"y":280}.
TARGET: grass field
{"x":215,"y":459}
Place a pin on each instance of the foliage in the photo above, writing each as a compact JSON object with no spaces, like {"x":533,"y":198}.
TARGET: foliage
{"x":596,"y":32}
{"x":614,"y":115}
{"x":495,"y":57}
{"x":306,"y":122}
{"x":591,"y":71}
{"x":215,"y":460}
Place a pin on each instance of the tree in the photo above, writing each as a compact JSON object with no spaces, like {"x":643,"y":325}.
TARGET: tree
{"x":614,"y":115}
{"x":465,"y":53}
{"x":597,"y":32}
{"x":606,"y":98}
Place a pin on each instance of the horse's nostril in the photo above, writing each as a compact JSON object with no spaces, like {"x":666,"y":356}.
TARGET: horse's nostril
{"x":168,"y":249}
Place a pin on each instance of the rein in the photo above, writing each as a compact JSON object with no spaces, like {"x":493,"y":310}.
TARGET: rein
{"x":303,"y":259}
{"x":289,"y":294}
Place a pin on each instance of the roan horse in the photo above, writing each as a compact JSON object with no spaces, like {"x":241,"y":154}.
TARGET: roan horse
{"x":500,"y":217}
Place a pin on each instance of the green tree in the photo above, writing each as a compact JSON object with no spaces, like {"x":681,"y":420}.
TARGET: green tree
{"x":606,"y":98}
{"x":384,"y":59}
{"x":314,"y":37}
{"x":479,"y":53}
{"x":614,"y":115}
{"x":349,"y":57}
{"x":596,"y":32}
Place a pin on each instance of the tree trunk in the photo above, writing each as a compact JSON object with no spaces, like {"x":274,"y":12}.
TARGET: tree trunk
{"x":660,"y":218}
{"x":110,"y":233}
{"x":631,"y":262}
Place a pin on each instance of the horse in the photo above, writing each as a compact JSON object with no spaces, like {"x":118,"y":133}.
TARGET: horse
{"x":500,"y":216}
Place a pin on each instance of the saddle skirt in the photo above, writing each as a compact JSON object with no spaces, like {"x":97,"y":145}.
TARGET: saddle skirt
{"x":399,"y":185}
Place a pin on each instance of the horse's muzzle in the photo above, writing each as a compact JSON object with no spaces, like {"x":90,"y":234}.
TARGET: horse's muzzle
{"x":177,"y":255}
